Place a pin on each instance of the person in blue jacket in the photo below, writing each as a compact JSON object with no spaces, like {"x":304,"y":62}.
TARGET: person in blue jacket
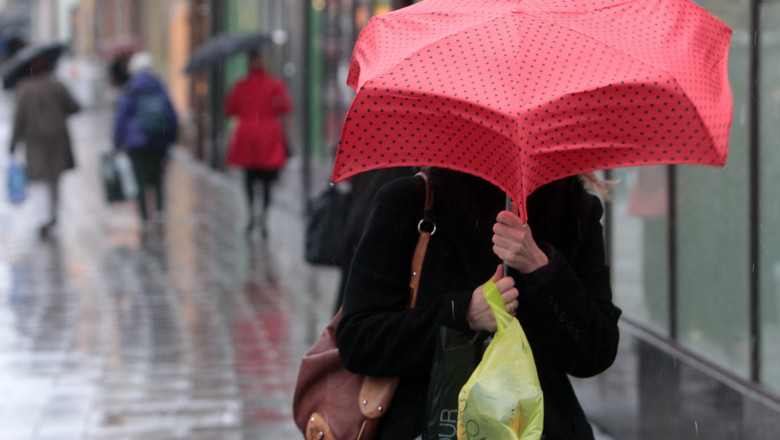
{"x":145,"y":127}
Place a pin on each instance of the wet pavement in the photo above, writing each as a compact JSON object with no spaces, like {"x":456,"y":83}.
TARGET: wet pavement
{"x":188,"y":330}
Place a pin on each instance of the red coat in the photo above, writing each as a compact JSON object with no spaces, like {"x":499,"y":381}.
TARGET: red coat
{"x":258,"y":140}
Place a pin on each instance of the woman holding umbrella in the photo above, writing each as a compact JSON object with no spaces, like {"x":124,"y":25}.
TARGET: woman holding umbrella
{"x":43,"y":105}
{"x":557,"y":285}
{"x":521,"y":121}
{"x":258,"y":143}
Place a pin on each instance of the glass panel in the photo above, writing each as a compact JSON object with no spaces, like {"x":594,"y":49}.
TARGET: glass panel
{"x":382,"y":7}
{"x":769,"y":231}
{"x":362,"y":13}
{"x":242,"y":17}
{"x":712,"y":228}
{"x":640,"y":245}
{"x":337,"y":40}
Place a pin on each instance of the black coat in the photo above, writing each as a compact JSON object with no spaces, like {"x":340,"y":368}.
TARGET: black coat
{"x":565,"y":308}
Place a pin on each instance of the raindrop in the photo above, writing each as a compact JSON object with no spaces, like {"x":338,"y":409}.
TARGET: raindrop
{"x":289,"y":69}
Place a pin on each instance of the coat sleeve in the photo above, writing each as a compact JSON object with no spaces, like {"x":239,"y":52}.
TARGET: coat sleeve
{"x":579,"y":322}
{"x":377,"y":334}
{"x":122,"y":116}
{"x":69,"y":103}
{"x":18,"y":129}
{"x":282,"y":102}
{"x":232,"y":107}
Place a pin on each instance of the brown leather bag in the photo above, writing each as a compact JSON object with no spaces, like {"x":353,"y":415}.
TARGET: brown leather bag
{"x":331,"y":403}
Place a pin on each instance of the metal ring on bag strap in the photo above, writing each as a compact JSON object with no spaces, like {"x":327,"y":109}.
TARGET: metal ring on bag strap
{"x":428,"y":204}
{"x":419,"y":226}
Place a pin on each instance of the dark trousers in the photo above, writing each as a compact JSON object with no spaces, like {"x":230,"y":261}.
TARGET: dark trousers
{"x":53,"y":185}
{"x":267,"y":178}
{"x":148,"y":168}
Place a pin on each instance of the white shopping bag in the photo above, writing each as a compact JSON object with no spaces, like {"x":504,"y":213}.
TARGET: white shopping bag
{"x":126,"y":176}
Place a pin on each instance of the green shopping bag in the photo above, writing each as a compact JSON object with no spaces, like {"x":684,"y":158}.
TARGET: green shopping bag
{"x":502,"y":400}
{"x":455,"y":357}
{"x":109,"y":175}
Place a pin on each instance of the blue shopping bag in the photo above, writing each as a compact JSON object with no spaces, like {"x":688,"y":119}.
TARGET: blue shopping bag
{"x":17,"y":182}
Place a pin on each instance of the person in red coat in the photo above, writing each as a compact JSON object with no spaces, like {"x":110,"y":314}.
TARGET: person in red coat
{"x":258,"y":144}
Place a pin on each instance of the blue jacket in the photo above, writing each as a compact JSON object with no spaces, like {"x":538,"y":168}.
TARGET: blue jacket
{"x":127,"y":133}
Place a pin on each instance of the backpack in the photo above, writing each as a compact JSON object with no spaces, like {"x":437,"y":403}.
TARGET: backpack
{"x":151,"y":112}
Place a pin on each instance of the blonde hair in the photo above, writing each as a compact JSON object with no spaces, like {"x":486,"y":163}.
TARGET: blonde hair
{"x":597,"y":185}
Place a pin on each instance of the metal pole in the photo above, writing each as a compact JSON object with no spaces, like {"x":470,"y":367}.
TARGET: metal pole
{"x":671,"y":177}
{"x":216,"y":84}
{"x":754,"y":205}
{"x":313,"y":93}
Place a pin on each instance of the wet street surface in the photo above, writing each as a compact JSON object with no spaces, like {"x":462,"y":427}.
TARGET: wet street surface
{"x":187,"y":330}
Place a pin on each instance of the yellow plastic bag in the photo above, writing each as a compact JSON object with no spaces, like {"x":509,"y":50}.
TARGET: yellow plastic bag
{"x":502,"y":400}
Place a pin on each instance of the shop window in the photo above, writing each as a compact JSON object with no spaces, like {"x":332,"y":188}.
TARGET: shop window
{"x":640,"y":254}
{"x":769,"y":202}
{"x":712,"y":228}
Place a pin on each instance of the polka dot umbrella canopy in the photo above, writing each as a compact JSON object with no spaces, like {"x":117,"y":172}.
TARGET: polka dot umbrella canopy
{"x":522,"y":93}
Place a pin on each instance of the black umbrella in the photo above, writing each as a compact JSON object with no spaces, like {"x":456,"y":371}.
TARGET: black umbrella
{"x":219,"y":48}
{"x":21,"y":64}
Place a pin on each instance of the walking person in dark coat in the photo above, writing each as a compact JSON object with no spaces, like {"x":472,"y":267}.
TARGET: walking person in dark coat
{"x":258,"y":144}
{"x":558,"y":287}
{"x":43,"y":105}
{"x":145,"y":126}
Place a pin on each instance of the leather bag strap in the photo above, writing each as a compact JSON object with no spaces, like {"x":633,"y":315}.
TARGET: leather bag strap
{"x":377,"y":392}
{"x":426,"y":228}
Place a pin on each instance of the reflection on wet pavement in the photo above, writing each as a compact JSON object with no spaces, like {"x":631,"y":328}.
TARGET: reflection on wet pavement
{"x":188,"y":330}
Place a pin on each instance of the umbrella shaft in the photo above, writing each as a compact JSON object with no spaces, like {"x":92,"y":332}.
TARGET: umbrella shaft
{"x":508,"y":207}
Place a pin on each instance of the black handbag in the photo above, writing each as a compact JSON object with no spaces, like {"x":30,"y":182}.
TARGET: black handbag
{"x":327,"y":212}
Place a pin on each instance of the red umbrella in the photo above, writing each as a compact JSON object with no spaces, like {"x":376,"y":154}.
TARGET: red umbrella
{"x":521,"y":93}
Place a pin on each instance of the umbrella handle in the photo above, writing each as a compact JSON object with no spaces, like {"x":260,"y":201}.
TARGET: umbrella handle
{"x":508,"y":207}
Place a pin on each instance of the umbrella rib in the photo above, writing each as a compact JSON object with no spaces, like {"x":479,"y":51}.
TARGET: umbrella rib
{"x":439,"y":38}
{"x":590,"y":37}
{"x":611,"y":47}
